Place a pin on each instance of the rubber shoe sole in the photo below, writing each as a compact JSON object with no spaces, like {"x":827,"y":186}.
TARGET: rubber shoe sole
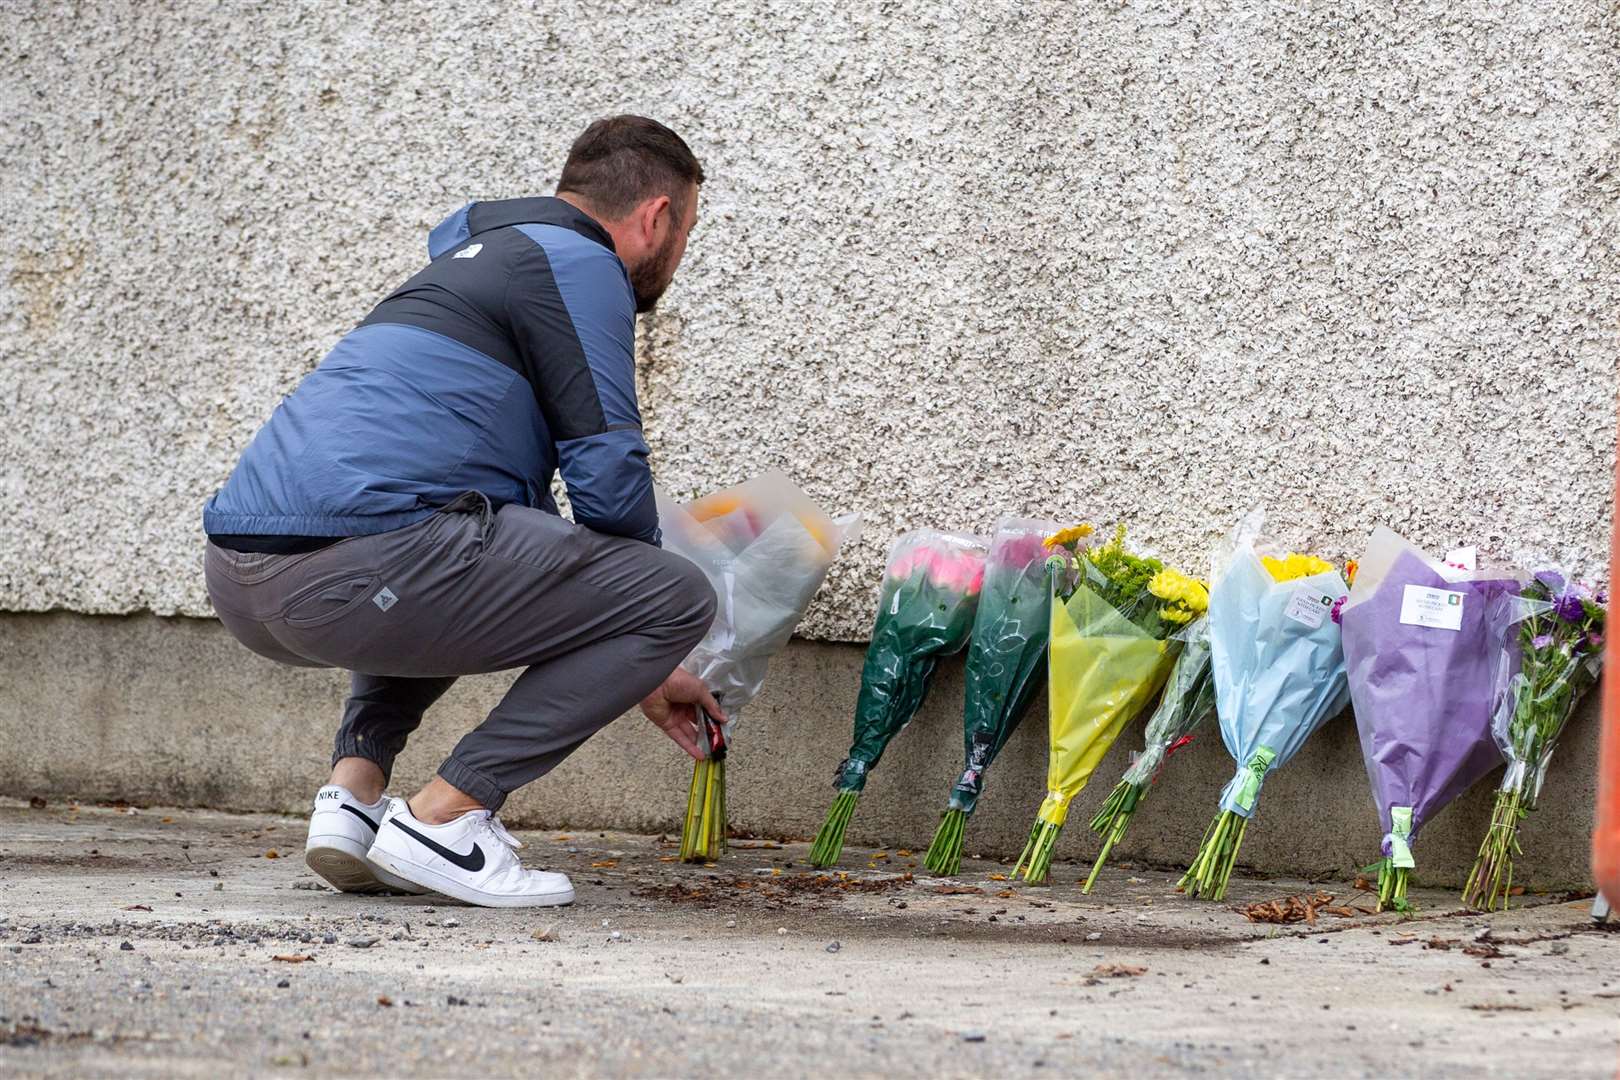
{"x":339,"y":860}
{"x":446,"y":886}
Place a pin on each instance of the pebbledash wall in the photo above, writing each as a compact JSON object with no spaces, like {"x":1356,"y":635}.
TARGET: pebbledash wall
{"x":1151,"y":262}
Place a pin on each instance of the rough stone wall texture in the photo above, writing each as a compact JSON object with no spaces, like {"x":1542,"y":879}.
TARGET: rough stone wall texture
{"x":1150,"y":261}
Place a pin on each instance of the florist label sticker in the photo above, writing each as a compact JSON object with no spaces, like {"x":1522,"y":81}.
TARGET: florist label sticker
{"x":1309,"y":607}
{"x":1439,"y":608}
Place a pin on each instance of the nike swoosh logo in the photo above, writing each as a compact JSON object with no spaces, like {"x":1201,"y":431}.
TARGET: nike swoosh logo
{"x":355,"y":810}
{"x":472,"y":862}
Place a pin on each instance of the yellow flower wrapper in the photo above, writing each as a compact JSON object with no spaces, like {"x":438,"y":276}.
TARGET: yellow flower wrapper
{"x":1104,"y":669}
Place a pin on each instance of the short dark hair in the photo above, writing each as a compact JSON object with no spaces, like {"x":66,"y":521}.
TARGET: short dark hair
{"x":621,"y":161}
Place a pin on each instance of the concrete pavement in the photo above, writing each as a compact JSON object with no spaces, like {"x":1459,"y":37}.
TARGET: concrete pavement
{"x":154,"y":942}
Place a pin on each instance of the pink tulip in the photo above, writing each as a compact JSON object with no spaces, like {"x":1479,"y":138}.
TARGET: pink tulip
{"x":1020,"y":551}
{"x":949,"y":568}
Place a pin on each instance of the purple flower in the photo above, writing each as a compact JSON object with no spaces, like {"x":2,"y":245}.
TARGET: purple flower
{"x":1541,"y":641}
{"x":1594,"y":639}
{"x":1602,"y":597}
{"x":1551,"y":580}
{"x":1338,"y":608}
{"x":1570,"y":608}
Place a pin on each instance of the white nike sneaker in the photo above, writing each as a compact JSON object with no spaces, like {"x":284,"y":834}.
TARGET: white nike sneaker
{"x":341,"y":830}
{"x":472,"y":859}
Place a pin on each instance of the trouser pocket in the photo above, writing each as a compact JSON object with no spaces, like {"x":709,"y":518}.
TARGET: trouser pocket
{"x":324,"y":602}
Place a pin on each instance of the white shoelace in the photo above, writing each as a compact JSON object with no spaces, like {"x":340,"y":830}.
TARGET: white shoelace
{"x":495,"y":826}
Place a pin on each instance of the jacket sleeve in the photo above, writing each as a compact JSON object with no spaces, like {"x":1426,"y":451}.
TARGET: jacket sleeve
{"x":573,"y":315}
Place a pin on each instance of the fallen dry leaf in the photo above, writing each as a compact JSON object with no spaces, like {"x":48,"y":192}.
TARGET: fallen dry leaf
{"x":604,"y":864}
{"x":293,"y":958}
{"x":1301,"y":907}
{"x":137,"y":907}
{"x":1006,"y":894}
{"x":272,"y":854}
{"x":998,"y":877}
{"x":959,"y":890}
{"x":385,"y":1001}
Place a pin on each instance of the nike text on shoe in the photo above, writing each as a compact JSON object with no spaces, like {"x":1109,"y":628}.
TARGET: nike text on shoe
{"x":472,"y":859}
{"x":341,"y":830}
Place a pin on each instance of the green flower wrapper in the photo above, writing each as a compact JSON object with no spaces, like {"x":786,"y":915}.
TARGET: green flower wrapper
{"x":925,"y":611}
{"x":1006,"y":668}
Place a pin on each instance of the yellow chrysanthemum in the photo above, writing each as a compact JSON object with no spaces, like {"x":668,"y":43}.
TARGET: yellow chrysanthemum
{"x":1178,"y":588}
{"x":1069,"y":536}
{"x":1176,"y":614}
{"x":1294,"y":565}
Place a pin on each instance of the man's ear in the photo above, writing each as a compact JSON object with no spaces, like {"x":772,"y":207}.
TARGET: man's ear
{"x":650,"y":212}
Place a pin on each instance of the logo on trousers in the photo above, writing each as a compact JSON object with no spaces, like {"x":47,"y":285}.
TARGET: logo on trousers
{"x":385,"y":599}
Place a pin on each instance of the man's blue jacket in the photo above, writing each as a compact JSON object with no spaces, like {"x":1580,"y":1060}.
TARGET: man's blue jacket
{"x":510,"y":356}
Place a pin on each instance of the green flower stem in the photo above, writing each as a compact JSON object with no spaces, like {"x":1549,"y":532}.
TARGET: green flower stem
{"x":1490,"y":882}
{"x":1392,"y":881}
{"x":1211,"y":869}
{"x":703,"y":832}
{"x":1036,"y":860}
{"x":944,"y":856}
{"x":1111,"y":822}
{"x":830,"y":840}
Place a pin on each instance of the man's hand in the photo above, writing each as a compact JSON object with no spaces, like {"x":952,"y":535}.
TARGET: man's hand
{"x":673,"y":708}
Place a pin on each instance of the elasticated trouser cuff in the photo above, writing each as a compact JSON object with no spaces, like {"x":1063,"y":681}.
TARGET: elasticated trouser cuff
{"x":466,"y":779}
{"x":355,"y":744}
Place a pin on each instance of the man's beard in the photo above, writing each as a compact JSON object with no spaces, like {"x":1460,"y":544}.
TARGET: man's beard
{"x":652,"y":277}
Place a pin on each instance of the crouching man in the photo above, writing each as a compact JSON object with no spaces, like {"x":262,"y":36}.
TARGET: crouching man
{"x":394,"y":518}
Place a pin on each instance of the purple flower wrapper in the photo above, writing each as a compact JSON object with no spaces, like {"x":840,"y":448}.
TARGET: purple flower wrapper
{"x":1424,"y":695}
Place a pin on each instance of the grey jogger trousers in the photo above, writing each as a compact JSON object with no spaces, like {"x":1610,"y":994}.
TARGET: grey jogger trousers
{"x":597,"y":621}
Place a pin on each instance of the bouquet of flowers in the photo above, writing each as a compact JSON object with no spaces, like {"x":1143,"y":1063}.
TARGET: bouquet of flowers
{"x":1113,"y":614}
{"x":1428,"y":648}
{"x":1187,"y":702}
{"x":1006,"y":664}
{"x":765,"y":548}
{"x":1278,"y":664}
{"x":1561,"y":641}
{"x":925,"y":610}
